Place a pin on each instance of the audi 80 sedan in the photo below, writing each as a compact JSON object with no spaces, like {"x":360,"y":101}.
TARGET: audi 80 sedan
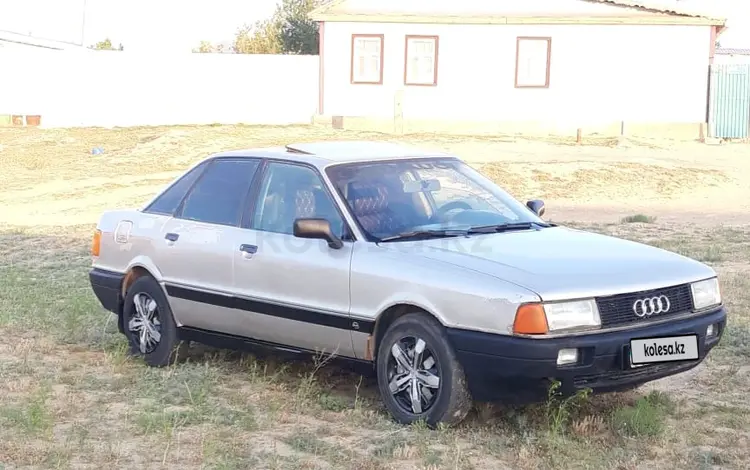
{"x":410,"y":261}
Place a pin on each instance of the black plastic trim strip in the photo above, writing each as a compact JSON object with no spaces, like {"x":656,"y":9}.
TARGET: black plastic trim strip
{"x":266,"y":308}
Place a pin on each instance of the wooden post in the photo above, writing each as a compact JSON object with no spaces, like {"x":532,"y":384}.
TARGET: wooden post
{"x":579,"y":136}
{"x":621,"y":137}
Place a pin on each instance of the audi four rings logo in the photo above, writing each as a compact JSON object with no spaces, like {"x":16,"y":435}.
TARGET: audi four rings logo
{"x":653,"y":306}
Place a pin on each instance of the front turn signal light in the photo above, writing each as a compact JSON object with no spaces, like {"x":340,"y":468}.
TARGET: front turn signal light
{"x":530,"y":320}
{"x":96,"y":243}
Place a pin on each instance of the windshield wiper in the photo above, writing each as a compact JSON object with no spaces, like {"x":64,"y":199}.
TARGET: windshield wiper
{"x":505,"y":227}
{"x":425,"y":234}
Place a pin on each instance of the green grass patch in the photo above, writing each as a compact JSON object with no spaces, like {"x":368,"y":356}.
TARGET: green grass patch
{"x":32,"y":416}
{"x":645,"y":418}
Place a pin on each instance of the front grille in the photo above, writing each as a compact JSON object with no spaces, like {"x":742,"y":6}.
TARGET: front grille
{"x":617,"y":310}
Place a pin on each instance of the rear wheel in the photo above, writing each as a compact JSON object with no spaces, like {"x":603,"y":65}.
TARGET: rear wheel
{"x":149,"y":325}
{"x":419,"y":377}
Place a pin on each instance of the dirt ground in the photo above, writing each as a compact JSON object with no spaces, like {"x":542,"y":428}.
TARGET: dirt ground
{"x":71,"y":398}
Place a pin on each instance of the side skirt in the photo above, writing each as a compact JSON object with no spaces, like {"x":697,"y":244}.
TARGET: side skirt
{"x":241,"y":343}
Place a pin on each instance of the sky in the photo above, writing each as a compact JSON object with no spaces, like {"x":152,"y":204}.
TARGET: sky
{"x":180,"y":25}
{"x":137,"y":24}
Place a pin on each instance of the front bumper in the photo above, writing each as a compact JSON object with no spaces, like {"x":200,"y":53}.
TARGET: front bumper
{"x":518,"y":370}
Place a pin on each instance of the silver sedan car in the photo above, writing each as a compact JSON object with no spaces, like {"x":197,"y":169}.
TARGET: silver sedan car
{"x":408,"y":261}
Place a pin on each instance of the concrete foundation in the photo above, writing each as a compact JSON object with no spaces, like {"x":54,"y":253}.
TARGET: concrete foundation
{"x":401,"y":125}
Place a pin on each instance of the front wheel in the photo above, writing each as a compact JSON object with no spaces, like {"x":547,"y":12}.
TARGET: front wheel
{"x":419,"y":377}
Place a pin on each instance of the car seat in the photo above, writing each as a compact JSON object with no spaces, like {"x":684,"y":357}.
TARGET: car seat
{"x":369,"y":203}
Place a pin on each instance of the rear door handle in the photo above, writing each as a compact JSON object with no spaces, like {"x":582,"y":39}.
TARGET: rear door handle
{"x":172,"y":237}
{"x":249,"y":249}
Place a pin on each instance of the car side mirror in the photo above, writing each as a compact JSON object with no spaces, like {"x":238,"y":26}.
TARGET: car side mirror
{"x":317,"y":229}
{"x":536,"y":206}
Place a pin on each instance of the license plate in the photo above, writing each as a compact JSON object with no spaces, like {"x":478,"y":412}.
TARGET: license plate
{"x":632,"y":365}
{"x":665,"y":349}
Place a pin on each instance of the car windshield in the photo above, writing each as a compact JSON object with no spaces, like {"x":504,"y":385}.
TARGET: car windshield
{"x":392,"y":199}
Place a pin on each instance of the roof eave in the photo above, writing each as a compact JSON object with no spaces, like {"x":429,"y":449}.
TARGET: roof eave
{"x":441,"y":19}
{"x":325,"y":8}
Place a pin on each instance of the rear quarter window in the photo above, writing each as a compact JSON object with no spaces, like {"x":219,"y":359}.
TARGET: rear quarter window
{"x":170,"y":199}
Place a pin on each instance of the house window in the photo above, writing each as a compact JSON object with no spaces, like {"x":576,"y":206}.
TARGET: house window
{"x":533,"y":62}
{"x":421,"y":60}
{"x":367,"y":58}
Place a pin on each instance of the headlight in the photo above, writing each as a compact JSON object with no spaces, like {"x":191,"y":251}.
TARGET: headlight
{"x":706,"y":293}
{"x":572,"y":315}
{"x":542,"y":318}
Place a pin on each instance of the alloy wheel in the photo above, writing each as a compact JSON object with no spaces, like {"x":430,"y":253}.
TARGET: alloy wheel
{"x":145,"y":324}
{"x":413,"y":375}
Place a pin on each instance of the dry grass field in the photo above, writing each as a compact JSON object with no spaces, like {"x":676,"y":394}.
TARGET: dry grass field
{"x":71,"y":398}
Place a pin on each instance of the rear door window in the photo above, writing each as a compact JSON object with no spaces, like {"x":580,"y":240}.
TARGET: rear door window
{"x":220,"y":194}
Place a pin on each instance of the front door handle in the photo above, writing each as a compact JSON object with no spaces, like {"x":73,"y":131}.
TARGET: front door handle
{"x":172,"y":237}
{"x":249,"y":249}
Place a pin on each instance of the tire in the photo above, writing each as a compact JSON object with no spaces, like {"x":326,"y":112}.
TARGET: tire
{"x":446,"y":404}
{"x":168,"y":349}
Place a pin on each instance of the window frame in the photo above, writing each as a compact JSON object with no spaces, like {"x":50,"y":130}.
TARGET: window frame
{"x":549,"y":60}
{"x":198,"y":168}
{"x":244,"y":204}
{"x":253,"y":197}
{"x":436,"y":41}
{"x":356,"y":36}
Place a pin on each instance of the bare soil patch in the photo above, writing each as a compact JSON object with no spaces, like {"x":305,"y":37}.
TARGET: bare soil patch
{"x":52,"y":177}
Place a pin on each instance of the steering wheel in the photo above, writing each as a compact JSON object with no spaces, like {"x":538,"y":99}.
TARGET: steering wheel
{"x":451,"y":206}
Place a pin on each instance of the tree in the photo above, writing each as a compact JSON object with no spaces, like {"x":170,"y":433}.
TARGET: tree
{"x":299,"y":34}
{"x":106,"y":45}
{"x":262,"y":38}
{"x":288,"y":31}
{"x":204,"y":47}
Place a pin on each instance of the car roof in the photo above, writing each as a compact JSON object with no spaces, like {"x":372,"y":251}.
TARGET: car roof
{"x":326,"y":153}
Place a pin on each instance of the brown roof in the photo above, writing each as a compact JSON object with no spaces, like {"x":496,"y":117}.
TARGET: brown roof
{"x":672,"y":7}
{"x":635,"y":11}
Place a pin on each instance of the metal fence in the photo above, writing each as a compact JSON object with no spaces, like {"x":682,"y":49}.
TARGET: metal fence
{"x":729,"y":101}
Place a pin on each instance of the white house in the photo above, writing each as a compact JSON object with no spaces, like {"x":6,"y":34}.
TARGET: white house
{"x":514,"y":66}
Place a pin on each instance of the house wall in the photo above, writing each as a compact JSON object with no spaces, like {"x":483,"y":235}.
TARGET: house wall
{"x":645,"y":75}
{"x":113,"y":88}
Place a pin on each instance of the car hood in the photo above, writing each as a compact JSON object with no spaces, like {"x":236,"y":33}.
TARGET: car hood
{"x":561,"y":263}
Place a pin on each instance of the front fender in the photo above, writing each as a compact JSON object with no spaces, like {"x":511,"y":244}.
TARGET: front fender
{"x":457,"y":296}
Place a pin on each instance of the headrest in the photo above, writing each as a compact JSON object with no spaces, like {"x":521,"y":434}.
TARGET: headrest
{"x":367,"y":199}
{"x":304,"y":202}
